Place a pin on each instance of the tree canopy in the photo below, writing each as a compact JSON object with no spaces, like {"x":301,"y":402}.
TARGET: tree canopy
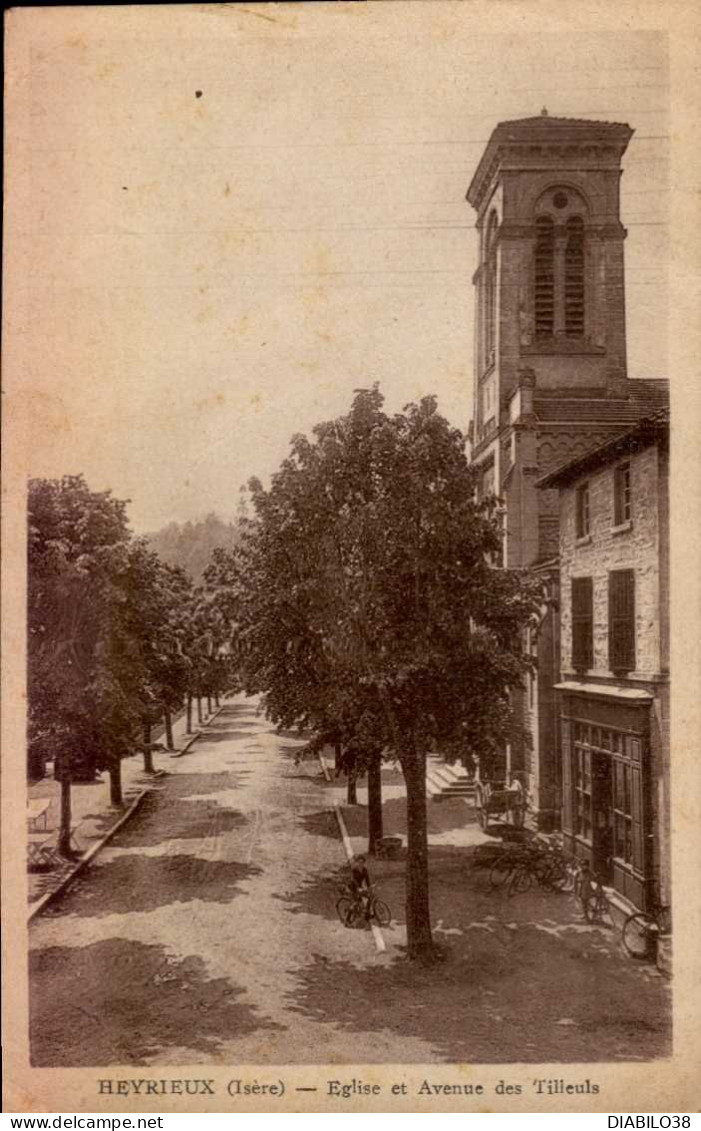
{"x":366,"y":584}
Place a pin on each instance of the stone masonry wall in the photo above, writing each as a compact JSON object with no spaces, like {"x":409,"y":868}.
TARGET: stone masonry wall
{"x":608,"y":548}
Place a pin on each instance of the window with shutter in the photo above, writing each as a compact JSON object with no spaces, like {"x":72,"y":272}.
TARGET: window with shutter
{"x":544,"y":280}
{"x":621,"y":494}
{"x":582,"y":623}
{"x":622,"y":621}
{"x":574,"y":278}
{"x":582,"y":510}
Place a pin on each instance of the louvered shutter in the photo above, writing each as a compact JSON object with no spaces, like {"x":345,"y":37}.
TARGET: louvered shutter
{"x":622,"y":620}
{"x":582,"y":623}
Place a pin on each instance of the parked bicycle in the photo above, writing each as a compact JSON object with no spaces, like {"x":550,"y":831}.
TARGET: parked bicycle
{"x":517,"y":868}
{"x":643,"y":930}
{"x":354,"y":908}
{"x":589,"y":890}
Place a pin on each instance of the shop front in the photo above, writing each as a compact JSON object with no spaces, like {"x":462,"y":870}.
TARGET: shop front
{"x":606,"y":811}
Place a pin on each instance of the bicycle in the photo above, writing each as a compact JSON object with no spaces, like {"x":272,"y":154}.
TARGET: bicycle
{"x":354,"y":908}
{"x":642,"y":930}
{"x":590,"y":892}
{"x":505,"y":865}
{"x":546,"y":865}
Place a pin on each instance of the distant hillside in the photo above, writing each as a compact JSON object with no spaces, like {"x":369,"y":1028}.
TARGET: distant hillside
{"x":190,"y":544}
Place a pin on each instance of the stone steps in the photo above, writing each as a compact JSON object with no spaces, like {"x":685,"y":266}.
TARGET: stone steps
{"x":444,"y":781}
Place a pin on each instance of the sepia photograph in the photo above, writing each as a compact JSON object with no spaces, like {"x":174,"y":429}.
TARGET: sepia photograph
{"x":339,"y":409}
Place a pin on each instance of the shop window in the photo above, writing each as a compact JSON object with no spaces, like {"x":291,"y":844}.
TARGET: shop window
{"x":622,"y":620}
{"x":582,"y":794}
{"x":622,"y":812}
{"x":582,"y":623}
{"x":582,"y":510}
{"x":621,"y":494}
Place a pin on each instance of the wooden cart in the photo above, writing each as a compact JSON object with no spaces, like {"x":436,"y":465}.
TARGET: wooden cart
{"x":496,"y":799}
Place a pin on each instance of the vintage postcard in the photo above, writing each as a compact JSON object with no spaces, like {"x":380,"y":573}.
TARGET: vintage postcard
{"x":351,"y":517}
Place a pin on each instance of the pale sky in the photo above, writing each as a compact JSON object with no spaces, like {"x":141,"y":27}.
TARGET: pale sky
{"x":205,"y":276}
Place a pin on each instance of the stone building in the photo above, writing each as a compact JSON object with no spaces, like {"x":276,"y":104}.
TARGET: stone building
{"x":550,"y":376}
{"x":614,"y":646}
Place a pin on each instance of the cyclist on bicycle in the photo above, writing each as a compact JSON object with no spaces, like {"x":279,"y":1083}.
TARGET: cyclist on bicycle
{"x":360,"y":884}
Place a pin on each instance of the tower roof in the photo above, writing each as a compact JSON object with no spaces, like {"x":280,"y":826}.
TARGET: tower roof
{"x":545,"y":130}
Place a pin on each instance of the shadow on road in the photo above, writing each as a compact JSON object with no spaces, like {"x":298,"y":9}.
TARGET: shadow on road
{"x":323,"y":823}
{"x":488,"y":1003}
{"x":189,"y":784}
{"x":178,"y":820}
{"x":522,"y":979}
{"x":318,"y":896}
{"x":149,"y":1003}
{"x":137,"y":883}
{"x":230,"y":733}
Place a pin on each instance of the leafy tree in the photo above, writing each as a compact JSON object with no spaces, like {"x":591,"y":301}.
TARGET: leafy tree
{"x":76,"y":540}
{"x":105,"y":632}
{"x":368,"y":567}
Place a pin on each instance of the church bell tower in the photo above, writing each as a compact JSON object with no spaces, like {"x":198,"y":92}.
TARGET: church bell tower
{"x":550,"y":375}
{"x":550,"y":283}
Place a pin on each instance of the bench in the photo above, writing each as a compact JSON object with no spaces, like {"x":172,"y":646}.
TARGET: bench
{"x":41,"y":852}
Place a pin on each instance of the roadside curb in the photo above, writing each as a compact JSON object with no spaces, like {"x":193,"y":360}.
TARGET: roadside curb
{"x":376,"y":932}
{"x":50,"y":896}
{"x":324,"y":767}
{"x":192,"y":739}
{"x":198,"y":734}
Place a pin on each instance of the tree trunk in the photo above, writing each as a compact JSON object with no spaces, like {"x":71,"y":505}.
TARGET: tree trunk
{"x":64,"y":834}
{"x":217,"y":704}
{"x":352,"y":797}
{"x":168,"y":719}
{"x":337,"y":757}
{"x":188,"y":715}
{"x":374,"y":804}
{"x":209,"y":704}
{"x":116,"y":782}
{"x":148,"y":753}
{"x":418,"y":917}
{"x":418,"y":914}
{"x":199,"y":710}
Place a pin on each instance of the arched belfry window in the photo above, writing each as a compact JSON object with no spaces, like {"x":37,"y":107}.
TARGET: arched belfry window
{"x":574,"y":278}
{"x":544,"y":277}
{"x":490,"y":292}
{"x":559,"y":264}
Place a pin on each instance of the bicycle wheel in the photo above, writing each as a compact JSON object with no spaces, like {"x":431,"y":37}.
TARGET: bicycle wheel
{"x":381,"y":912}
{"x":347,"y":910}
{"x":639,"y":934}
{"x":501,"y":870}
{"x":559,"y":876}
{"x":543,"y":870}
{"x":520,"y":881}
